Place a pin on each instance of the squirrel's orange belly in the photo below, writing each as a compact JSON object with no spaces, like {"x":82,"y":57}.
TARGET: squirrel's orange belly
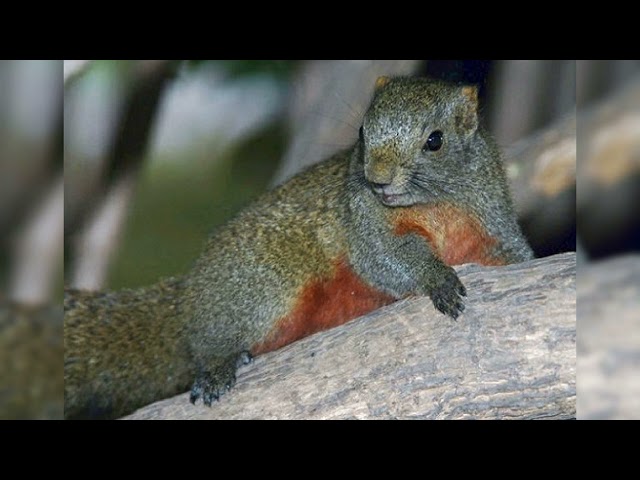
{"x":324,"y":304}
{"x":455,"y":235}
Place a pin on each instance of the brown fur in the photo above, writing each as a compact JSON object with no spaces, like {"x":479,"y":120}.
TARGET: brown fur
{"x":455,"y":235}
{"x":325,"y":303}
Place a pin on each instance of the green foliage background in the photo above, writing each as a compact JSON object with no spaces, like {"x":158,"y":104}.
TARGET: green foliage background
{"x":177,"y":204}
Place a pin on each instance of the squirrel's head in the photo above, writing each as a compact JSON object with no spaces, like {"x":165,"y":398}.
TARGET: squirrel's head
{"x":419,"y":141}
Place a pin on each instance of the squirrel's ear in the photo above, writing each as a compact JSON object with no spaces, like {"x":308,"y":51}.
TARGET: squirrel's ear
{"x":468,"y":117}
{"x":381,"y":82}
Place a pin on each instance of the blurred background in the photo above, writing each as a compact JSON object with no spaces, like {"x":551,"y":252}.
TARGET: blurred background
{"x":156,"y":153}
{"x":608,"y":226}
{"x":31,"y":239}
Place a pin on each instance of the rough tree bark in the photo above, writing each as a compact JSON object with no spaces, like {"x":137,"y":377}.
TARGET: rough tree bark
{"x":510,"y":355}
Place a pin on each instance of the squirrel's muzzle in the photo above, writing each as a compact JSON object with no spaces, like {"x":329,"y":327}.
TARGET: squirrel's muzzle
{"x":379,"y":172}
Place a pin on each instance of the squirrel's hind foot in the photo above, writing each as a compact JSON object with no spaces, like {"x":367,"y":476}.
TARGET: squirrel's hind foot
{"x":211,"y":384}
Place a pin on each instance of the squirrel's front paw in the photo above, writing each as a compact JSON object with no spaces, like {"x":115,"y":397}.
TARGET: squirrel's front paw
{"x":446,"y":294}
{"x":211,"y":385}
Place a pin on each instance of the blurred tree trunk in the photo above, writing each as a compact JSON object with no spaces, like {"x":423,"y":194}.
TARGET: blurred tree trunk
{"x":37,"y":250}
{"x":608,"y":217}
{"x":73,"y":69}
{"x":99,"y":220}
{"x":27,"y":169}
{"x":542,"y":174}
{"x":31,"y":208}
{"x":598,"y":78}
{"x":528,"y":94}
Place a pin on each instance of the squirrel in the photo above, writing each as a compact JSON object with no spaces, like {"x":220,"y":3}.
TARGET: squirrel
{"x":422,"y":189}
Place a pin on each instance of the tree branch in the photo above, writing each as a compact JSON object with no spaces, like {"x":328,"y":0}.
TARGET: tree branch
{"x":510,"y":355}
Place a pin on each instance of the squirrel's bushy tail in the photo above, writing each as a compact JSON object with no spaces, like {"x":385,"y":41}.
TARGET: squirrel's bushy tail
{"x":124,"y":349}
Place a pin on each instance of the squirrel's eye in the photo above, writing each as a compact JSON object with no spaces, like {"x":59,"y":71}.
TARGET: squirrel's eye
{"x":434,"y":142}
